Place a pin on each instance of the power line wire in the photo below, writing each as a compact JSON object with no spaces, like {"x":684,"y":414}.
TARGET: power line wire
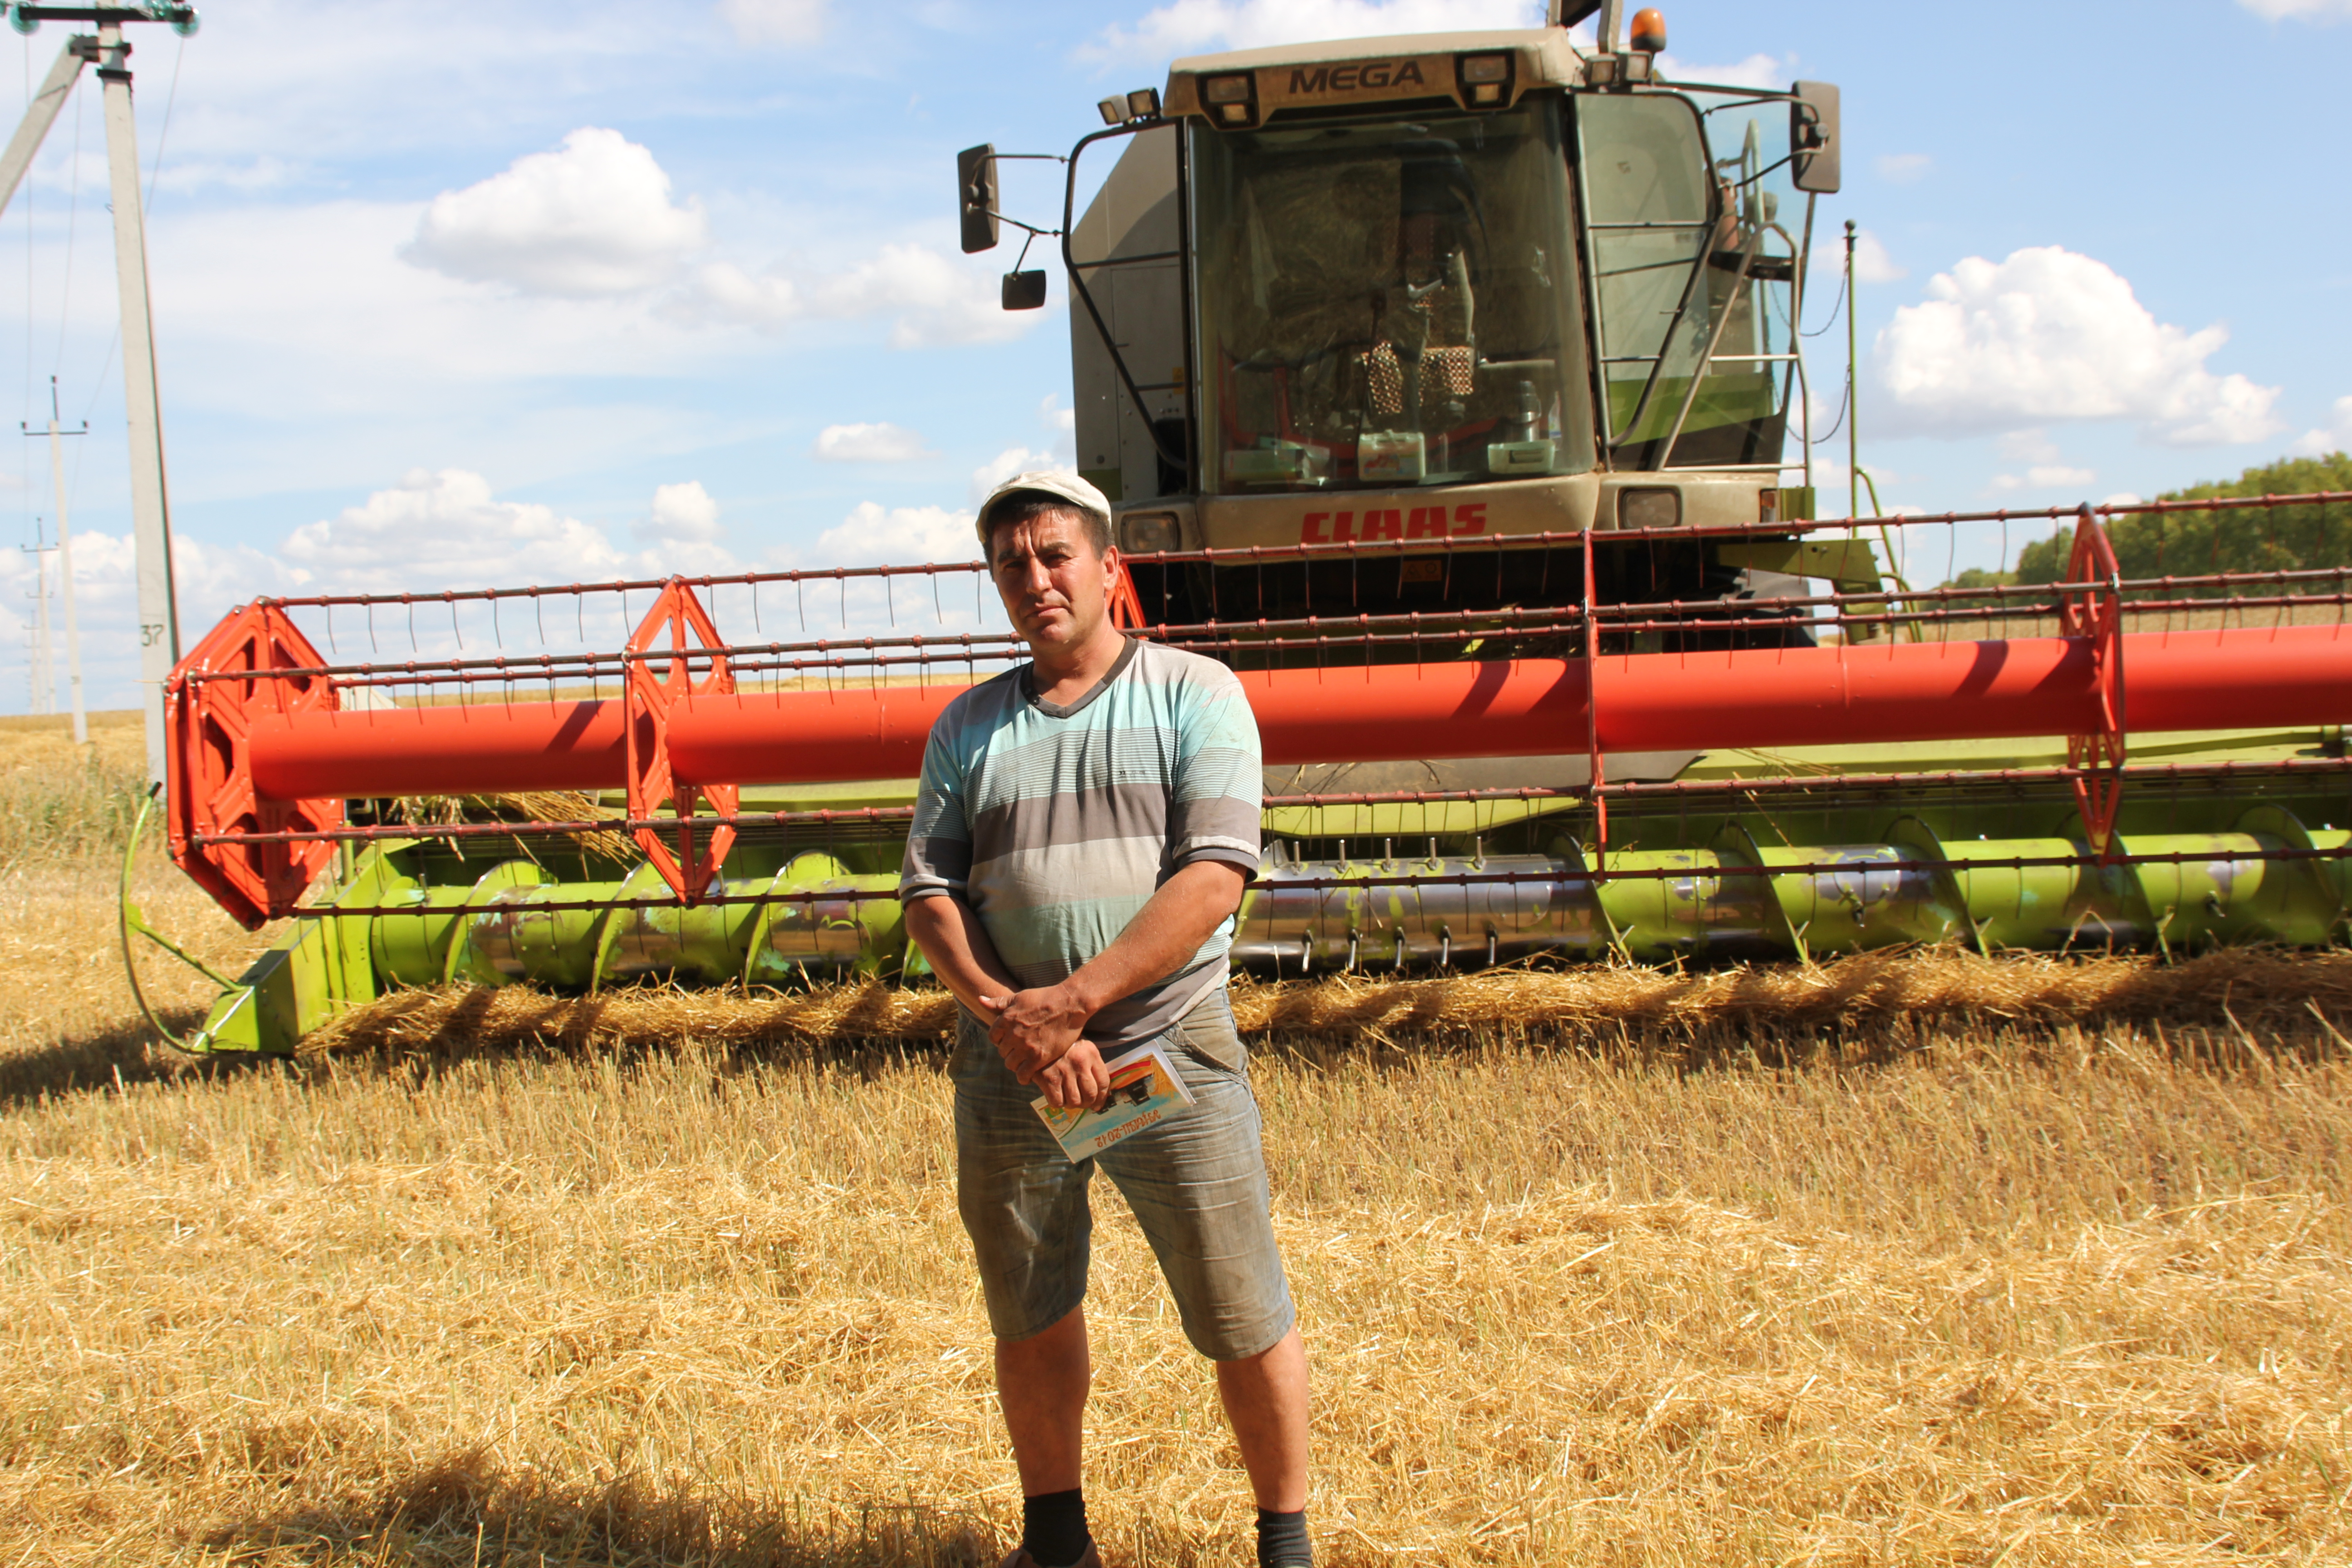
{"x":163,"y":133}
{"x":114,"y":339}
{"x":73,"y":215}
{"x":25,"y":190}
{"x":1835,"y":306}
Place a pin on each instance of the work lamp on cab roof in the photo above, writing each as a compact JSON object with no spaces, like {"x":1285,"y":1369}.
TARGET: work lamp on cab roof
{"x":1485,"y":80}
{"x":1232,"y":99}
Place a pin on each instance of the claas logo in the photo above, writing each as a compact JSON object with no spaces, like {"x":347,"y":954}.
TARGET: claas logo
{"x":1413,"y":522}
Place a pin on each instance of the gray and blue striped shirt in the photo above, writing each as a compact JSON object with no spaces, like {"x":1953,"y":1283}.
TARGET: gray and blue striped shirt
{"x":1058,"y":824}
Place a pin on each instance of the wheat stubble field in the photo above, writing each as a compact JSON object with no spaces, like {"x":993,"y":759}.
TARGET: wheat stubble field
{"x":1911,"y":1259}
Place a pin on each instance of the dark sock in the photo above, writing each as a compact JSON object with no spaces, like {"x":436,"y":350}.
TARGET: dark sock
{"x":1282,"y":1539}
{"x":1054,"y":1528}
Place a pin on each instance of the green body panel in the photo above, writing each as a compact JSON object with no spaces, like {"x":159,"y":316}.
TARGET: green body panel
{"x":318,"y":968}
{"x":783,"y":926}
{"x":1725,"y":397}
{"x":1676,"y":881}
{"x":1850,"y":564}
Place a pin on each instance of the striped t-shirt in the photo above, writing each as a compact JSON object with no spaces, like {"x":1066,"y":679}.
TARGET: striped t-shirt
{"x":1057,"y":825}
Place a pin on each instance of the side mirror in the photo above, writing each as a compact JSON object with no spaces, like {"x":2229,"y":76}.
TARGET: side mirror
{"x":976,"y":197}
{"x":1813,"y":161}
{"x":1024,"y":291}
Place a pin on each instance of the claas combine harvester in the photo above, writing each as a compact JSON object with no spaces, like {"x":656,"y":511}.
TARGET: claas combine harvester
{"x":1443,"y":388}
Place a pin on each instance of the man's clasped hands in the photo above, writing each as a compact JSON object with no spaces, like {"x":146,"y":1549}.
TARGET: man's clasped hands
{"x":1040,"y":1035}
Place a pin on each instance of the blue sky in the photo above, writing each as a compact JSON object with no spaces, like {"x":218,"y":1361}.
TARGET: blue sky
{"x":451,"y":294}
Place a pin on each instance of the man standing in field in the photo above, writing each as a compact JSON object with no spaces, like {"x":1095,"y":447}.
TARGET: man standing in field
{"x":1086,"y":827}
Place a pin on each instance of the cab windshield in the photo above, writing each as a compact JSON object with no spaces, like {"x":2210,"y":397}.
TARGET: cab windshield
{"x":1694,"y":268}
{"x":1389,"y":304}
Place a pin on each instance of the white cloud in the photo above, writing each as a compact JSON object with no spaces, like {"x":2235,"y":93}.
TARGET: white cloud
{"x":2335,"y":437}
{"x":105,"y":595}
{"x":685,"y":513}
{"x":1768,"y":71}
{"x":871,"y":535}
{"x":432,"y":531}
{"x":2029,"y":447}
{"x":931,"y":299}
{"x":448,"y":529}
{"x":1903,"y":168}
{"x":1005,"y":464}
{"x":1192,"y":27}
{"x":1872,"y":264}
{"x":385,"y":82}
{"x":868,"y":443}
{"x":724,"y":293}
{"x":261,"y":172}
{"x":1829,"y":473}
{"x":758,"y":22}
{"x":592,"y":218}
{"x":2048,"y":334}
{"x":2045,"y":476}
{"x":935,"y":300}
{"x":2122,"y":498}
{"x":1063,"y":423}
{"x":2317,"y":10}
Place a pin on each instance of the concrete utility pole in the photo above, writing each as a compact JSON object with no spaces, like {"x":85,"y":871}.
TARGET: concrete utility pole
{"x":65,"y":563}
{"x":44,"y":671}
{"x":151,"y":519}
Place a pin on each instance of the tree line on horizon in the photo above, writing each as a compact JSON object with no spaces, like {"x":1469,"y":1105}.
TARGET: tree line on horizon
{"x":2249,"y":538}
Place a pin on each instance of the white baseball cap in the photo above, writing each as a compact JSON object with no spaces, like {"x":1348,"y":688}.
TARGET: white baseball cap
{"x":1058,"y":483}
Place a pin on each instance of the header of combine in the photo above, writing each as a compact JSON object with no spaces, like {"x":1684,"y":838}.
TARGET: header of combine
{"x":1443,"y":386}
{"x":270,"y":739}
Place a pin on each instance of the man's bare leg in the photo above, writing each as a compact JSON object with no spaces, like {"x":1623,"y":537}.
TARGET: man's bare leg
{"x":1266,"y":1399}
{"x":1042,"y":1384}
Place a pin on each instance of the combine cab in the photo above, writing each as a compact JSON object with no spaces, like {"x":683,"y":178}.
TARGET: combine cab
{"x":1443,"y":388}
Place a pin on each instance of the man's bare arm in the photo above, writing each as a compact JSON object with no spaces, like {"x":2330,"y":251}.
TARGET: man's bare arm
{"x":1183,"y":913}
{"x":966,"y":961}
{"x":1036,"y":1027}
{"x":961,"y":954}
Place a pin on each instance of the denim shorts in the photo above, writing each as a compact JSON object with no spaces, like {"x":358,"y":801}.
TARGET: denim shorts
{"x":1196,"y":1182}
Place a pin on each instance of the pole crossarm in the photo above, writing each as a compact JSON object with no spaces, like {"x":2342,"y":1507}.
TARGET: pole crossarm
{"x":56,"y":434}
{"x":42,"y":114}
{"x":182,"y":19}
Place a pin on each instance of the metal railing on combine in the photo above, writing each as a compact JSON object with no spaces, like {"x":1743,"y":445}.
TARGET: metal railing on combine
{"x":1564,"y":654}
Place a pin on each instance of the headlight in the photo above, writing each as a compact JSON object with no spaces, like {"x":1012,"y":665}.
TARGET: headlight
{"x":1148,"y":533}
{"x":1649,"y":509}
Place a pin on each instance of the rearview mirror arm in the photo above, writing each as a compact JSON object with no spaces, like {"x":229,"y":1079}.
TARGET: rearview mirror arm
{"x":1029,"y":228}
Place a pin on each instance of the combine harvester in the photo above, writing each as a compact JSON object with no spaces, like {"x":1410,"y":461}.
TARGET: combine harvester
{"x":1442,"y":384}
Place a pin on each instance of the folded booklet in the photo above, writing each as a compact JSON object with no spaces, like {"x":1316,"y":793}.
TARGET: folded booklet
{"x":1144,"y":1088}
